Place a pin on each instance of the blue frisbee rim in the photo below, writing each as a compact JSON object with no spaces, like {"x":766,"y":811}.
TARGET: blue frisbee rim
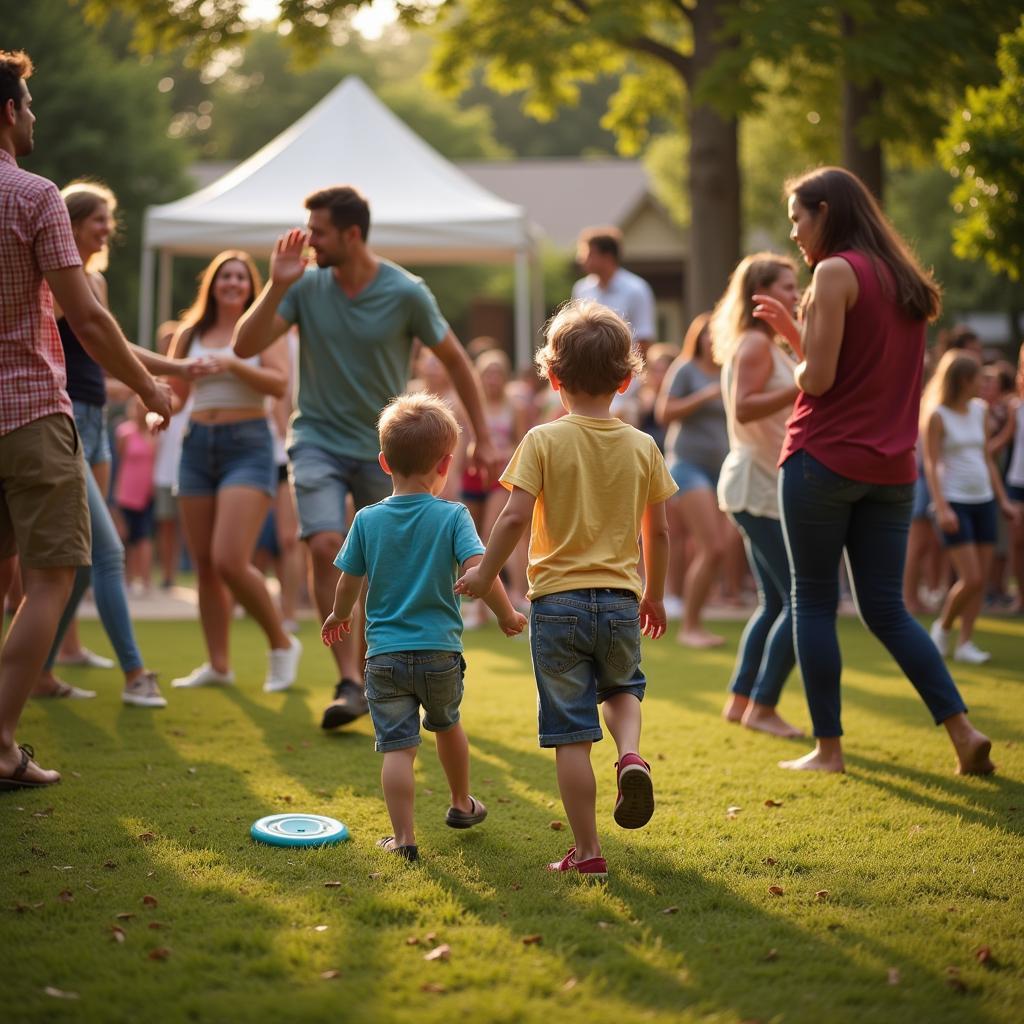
{"x":296,"y":828}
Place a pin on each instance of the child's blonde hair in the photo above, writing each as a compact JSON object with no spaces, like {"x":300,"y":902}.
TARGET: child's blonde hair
{"x":589,"y":349}
{"x":416,"y":433}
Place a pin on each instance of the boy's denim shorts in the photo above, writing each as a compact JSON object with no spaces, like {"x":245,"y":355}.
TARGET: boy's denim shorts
{"x":585,"y":646}
{"x":398,"y":684}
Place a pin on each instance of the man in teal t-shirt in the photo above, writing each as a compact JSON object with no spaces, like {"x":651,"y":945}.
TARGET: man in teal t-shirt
{"x":358,"y":316}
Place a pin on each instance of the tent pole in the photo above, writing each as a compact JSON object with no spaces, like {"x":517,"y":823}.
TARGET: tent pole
{"x":539,"y":313}
{"x":163,"y":287}
{"x":146,"y":295}
{"x":523,"y":320}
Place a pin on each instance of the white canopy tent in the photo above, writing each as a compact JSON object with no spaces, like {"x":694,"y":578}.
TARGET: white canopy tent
{"x":423,"y":209}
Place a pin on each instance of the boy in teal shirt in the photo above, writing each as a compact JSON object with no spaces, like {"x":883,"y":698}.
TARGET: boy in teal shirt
{"x":410,"y":548}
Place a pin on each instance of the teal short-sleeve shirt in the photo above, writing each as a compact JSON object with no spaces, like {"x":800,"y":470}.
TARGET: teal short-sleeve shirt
{"x":354,"y":353}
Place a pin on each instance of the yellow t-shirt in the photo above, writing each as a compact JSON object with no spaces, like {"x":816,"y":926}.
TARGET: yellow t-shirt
{"x":592,"y":479}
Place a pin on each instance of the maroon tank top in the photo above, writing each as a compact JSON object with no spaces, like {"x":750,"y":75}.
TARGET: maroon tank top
{"x":865,"y":426}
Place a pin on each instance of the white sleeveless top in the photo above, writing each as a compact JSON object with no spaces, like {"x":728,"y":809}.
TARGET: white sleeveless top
{"x":963,"y":469}
{"x":750,"y":476}
{"x":222,"y":390}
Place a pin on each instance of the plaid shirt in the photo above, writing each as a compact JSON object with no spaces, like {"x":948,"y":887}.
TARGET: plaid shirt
{"x":35,"y":236}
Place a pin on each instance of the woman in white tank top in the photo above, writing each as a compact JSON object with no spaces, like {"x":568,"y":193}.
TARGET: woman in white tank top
{"x":227,"y":477}
{"x":1015,"y":483}
{"x":966,"y":489}
{"x":758,"y":391}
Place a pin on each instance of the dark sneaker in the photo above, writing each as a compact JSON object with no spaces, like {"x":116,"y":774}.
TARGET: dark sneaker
{"x":634,"y":804}
{"x":349,"y":704}
{"x":596,"y":867}
{"x":409,"y":853}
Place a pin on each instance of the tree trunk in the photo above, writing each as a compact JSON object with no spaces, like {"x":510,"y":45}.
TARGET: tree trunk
{"x":714,"y":175}
{"x":859,"y":102}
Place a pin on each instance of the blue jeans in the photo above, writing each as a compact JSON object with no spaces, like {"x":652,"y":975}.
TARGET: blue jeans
{"x":765,"y":657}
{"x":585,"y":646}
{"x":399,"y":683}
{"x":107,"y":577}
{"x":823,"y":513}
{"x":91,"y":421}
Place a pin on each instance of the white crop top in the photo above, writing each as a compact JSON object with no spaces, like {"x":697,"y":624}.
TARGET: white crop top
{"x":222,"y":390}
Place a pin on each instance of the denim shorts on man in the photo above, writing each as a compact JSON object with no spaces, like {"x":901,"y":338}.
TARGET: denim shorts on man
{"x":585,"y":646}
{"x":400,"y":683}
{"x":323,"y":480}
{"x":216,"y":455}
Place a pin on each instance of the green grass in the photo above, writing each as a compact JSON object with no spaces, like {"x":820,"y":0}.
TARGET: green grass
{"x":921,"y":868}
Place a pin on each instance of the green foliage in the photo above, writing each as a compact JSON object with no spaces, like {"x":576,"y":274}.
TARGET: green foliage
{"x":983,"y":148}
{"x":917,"y":869}
{"x":100,"y":115}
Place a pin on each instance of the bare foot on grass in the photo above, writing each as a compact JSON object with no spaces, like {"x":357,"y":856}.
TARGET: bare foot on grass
{"x":699,"y":638}
{"x":765,"y":718}
{"x":734,"y":708}
{"x":972,"y":756}
{"x":815,"y":761}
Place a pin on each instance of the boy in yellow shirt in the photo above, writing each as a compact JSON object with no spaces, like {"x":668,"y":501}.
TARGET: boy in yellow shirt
{"x":587,"y":484}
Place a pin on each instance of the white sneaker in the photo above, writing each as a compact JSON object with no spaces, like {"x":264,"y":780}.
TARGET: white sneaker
{"x":144,"y":692}
{"x":940,"y":637}
{"x":205,"y":675}
{"x":673,"y":606}
{"x":283,"y":667}
{"x":972,"y":655}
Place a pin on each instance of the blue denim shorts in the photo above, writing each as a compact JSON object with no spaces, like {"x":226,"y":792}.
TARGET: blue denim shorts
{"x":323,"y":480}
{"x":216,"y":455}
{"x":399,"y":683}
{"x":91,"y":421}
{"x":585,"y":646}
{"x":691,"y":477}
{"x":978,"y":523}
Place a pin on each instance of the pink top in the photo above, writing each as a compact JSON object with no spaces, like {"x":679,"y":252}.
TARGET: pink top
{"x":35,"y":236}
{"x":137,"y":449}
{"x":865,"y":426}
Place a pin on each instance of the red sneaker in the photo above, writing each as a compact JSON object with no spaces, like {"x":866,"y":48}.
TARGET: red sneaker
{"x":596,"y":867}
{"x":634,"y":804}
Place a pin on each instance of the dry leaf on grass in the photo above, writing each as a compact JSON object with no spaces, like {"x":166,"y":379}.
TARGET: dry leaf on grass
{"x":413,"y":940}
{"x":821,"y":895}
{"x":569,"y":985}
{"x":320,"y":928}
{"x":984,"y":955}
{"x":58,"y":993}
{"x":671,"y":910}
{"x":124,"y":916}
{"x":375,"y":874}
{"x":147,"y":837}
{"x":155,"y":926}
{"x":531,"y":940}
{"x":149,"y":901}
{"x":772,"y":954}
{"x":330,"y":975}
{"x":332,"y":885}
{"x":442,"y":952}
{"x":604,"y":924}
{"x":44,"y":813}
{"x":772,"y":803}
{"x":894,"y":977}
{"x":117,"y":934}
{"x":160,"y":953}
{"x":733,"y":809}
{"x":556,"y":826}
{"x":66,"y":896}
{"x":433,"y":986}
{"x":776,"y":890}
{"x":769,"y":861}
{"x":430,"y":937}
{"x":38,"y":851}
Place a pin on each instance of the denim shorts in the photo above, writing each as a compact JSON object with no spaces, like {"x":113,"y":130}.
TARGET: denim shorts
{"x":585,"y":646}
{"x":91,"y":421}
{"x":323,"y":480}
{"x":978,"y":524}
{"x":399,"y":683}
{"x":216,"y":455}
{"x":691,"y":477}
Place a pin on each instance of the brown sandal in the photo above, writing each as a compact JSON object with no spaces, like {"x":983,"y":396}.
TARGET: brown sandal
{"x":17,"y":779}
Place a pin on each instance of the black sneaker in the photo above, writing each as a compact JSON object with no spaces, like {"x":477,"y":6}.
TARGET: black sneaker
{"x":349,"y":704}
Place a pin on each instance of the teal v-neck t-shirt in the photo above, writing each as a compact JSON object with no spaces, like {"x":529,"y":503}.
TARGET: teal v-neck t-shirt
{"x":354,"y":353}
{"x":410,"y":548}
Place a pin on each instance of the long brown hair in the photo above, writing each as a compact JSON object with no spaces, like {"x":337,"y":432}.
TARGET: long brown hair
{"x":854,"y":220}
{"x":952,"y":377}
{"x":83,"y":198}
{"x":698,"y":335}
{"x":202,"y":314}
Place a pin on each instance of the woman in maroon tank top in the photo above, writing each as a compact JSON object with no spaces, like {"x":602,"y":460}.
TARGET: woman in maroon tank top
{"x":848,"y":468}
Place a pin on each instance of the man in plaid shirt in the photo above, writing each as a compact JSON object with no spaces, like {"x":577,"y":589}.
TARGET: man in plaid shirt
{"x":44,"y":517}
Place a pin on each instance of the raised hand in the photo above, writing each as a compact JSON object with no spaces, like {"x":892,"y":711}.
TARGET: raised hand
{"x":287,"y":262}
{"x":777,"y":317}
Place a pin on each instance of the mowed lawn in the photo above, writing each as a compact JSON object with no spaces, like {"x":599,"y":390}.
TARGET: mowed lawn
{"x":132,"y":891}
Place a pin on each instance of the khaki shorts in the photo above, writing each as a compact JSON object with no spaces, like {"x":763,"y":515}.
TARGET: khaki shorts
{"x":44,"y":512}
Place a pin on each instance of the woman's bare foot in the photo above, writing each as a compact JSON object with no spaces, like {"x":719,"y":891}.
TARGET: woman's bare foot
{"x":699,"y":638}
{"x":734,"y":708}
{"x":48,"y":685}
{"x":765,"y":718}
{"x":972,"y":747}
{"x":827,"y":756}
